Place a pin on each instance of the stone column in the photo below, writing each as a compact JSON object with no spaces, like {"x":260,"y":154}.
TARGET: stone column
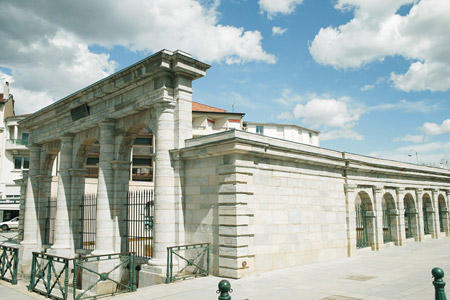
{"x":165,"y":218}
{"x":105,"y":227}
{"x":350,"y":194}
{"x":446,"y":214}
{"x":121,"y":181}
{"x":419,"y":205}
{"x":77,"y":187}
{"x":16,"y":132}
{"x":401,"y":231}
{"x":435,"y":214}
{"x":23,"y":190}
{"x":45,"y":182}
{"x":378,"y":208}
{"x":30,"y":242}
{"x":63,"y":232}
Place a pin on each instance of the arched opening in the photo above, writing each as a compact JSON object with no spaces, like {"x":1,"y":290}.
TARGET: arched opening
{"x":389,"y":218}
{"x":364,"y":220}
{"x":410,"y":216}
{"x":427,"y":210}
{"x":49,"y":188}
{"x":443,"y":214}
{"x":142,"y":154}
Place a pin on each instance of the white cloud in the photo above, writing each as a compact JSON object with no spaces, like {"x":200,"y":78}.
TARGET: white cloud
{"x":410,"y":138}
{"x":278,"y":30}
{"x":408,"y":106}
{"x":345,"y":133}
{"x":286,"y":115}
{"x":288,"y":97}
{"x":376,"y":31}
{"x":435,"y":129}
{"x":327,"y":113}
{"x":275,"y":7}
{"x":45,"y":45}
{"x":367,"y":87}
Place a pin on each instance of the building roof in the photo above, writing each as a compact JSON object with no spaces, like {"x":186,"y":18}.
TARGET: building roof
{"x":281,"y":124}
{"x":205,"y":108}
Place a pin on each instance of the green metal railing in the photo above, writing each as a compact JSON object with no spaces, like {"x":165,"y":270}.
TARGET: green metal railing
{"x":59,"y":277}
{"x":50,"y":275}
{"x":110,"y":278}
{"x":362,"y":239}
{"x":9,"y":260}
{"x":11,"y":239}
{"x":193,"y":261}
{"x":19,"y":141}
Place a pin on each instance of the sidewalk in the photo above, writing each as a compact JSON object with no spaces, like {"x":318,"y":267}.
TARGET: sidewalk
{"x":393,"y":273}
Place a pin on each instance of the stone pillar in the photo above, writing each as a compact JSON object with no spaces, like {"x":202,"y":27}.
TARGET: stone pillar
{"x":435,"y":215}
{"x":419,"y":205}
{"x":45,"y":182}
{"x":16,"y":132}
{"x":445,"y":214}
{"x":350,"y":195}
{"x":30,"y":242}
{"x":165,"y":218}
{"x":378,"y":208}
{"x":121,"y":181}
{"x":77,"y":187}
{"x":63,"y":231}
{"x":105,"y":228}
{"x":401,"y":232}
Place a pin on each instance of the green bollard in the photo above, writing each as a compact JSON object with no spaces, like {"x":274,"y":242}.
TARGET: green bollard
{"x":439,"y":284}
{"x":224,"y":290}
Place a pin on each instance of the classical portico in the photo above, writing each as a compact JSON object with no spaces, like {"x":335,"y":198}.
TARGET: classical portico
{"x":155,"y":93}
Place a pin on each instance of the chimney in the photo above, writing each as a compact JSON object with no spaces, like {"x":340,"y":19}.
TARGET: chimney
{"x":6,"y":91}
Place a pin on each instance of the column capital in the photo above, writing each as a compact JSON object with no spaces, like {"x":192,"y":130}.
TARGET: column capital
{"x":377,"y":189}
{"x":77,"y":172}
{"x":120,"y":165}
{"x":108,"y":123}
{"x":34,"y":147}
{"x":44,"y":178}
{"x":400,"y":190}
{"x":165,"y":106}
{"x":350,"y":187}
{"x":419,"y":190}
{"x":67,"y":138}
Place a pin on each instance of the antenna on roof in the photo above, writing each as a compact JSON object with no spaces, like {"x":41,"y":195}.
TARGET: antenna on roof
{"x":232,"y":107}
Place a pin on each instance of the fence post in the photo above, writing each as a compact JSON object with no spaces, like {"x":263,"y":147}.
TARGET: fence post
{"x":224,"y":290}
{"x":439,"y":284}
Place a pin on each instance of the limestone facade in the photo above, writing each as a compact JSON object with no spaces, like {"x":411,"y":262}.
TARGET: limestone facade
{"x":262,"y":203}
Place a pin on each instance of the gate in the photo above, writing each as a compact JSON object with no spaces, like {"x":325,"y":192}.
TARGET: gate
{"x":387,"y":228}
{"x":425,"y":220}
{"x":140,"y":212}
{"x":88,"y":221}
{"x":362,"y":239}
{"x":50,"y":221}
{"x":441,"y":218}
{"x":408,"y":223}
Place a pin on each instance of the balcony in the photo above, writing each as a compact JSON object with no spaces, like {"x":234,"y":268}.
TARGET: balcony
{"x":18,"y":144}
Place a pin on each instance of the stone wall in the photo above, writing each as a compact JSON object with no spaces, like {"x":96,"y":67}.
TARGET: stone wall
{"x":266,"y":204}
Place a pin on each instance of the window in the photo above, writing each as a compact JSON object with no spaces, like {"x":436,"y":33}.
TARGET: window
{"x":21,"y":163}
{"x":92,"y":161}
{"x":142,"y":157}
{"x":260,"y":130}
{"x":24,"y":138}
{"x":310,"y":137}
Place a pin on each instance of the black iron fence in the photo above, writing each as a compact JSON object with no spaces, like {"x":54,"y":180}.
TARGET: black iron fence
{"x":140,"y":212}
{"x":88,"y":221}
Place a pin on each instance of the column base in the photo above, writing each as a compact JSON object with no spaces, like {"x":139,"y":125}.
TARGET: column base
{"x":65,"y":252}
{"x":26,"y":257}
{"x":154,"y":272}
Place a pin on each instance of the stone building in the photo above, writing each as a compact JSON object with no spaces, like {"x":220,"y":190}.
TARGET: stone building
{"x":263,"y":203}
{"x":13,"y":156}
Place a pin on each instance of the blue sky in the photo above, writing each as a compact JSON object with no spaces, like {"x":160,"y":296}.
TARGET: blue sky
{"x":372,"y":76}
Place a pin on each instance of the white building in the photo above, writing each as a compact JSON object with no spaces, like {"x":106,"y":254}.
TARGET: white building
{"x":14,"y":156}
{"x":290,"y":132}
